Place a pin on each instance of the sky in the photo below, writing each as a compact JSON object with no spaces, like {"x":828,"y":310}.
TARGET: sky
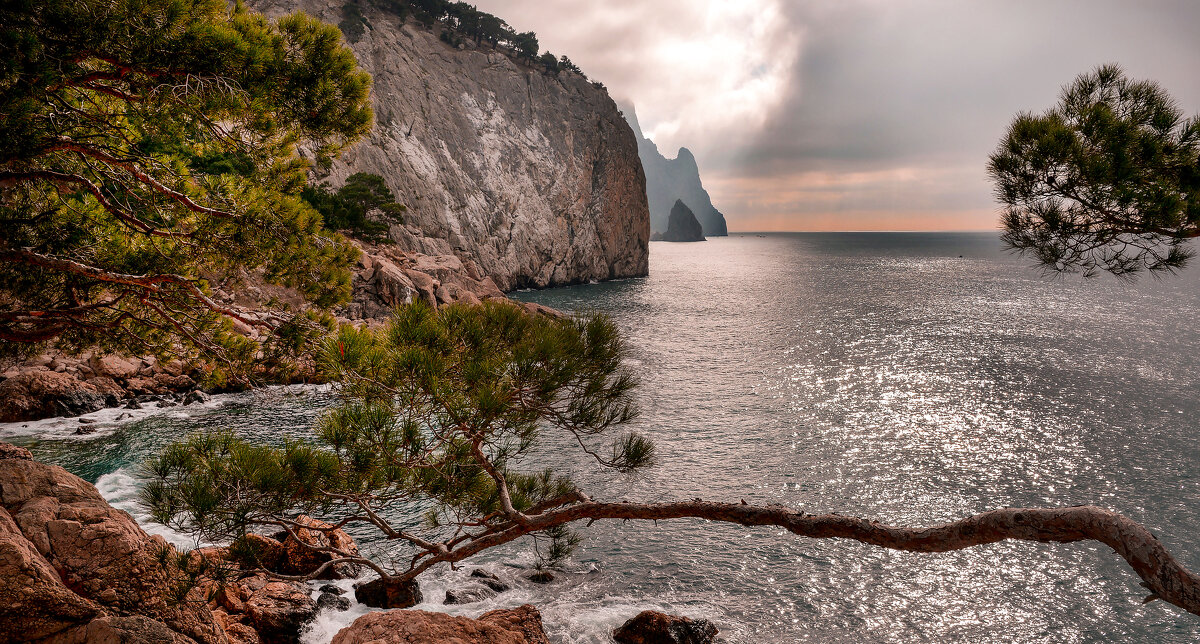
{"x":855,"y":114}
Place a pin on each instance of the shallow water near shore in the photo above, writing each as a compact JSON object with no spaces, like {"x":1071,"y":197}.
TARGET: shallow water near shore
{"x":911,"y":378}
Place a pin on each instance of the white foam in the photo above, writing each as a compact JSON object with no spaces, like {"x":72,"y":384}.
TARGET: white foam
{"x":120,"y":490}
{"x":105,"y":421}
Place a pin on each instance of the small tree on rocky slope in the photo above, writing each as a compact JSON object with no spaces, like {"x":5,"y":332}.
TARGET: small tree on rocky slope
{"x":441,"y":413}
{"x":147,"y":147}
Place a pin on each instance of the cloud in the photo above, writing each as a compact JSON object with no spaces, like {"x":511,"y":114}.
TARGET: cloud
{"x":805,"y":114}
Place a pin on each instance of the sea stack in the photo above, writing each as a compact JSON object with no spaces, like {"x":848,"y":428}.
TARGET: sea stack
{"x":682,"y":225}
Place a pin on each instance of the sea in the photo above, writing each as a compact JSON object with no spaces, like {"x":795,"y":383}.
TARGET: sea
{"x":913,"y":378}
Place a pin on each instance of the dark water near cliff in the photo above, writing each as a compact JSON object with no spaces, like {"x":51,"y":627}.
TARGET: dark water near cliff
{"x":873,"y":374}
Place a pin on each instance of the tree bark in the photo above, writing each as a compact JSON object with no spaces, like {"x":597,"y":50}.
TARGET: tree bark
{"x":1166,"y":578}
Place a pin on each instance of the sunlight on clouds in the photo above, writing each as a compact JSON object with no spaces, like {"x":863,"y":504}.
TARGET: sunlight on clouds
{"x":699,"y":72}
{"x":722,"y":79}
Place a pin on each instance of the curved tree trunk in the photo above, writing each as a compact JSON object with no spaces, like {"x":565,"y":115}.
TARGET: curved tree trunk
{"x":1166,"y":578}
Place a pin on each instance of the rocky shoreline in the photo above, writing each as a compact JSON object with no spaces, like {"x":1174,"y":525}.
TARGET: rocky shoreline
{"x":75,"y":570}
{"x":60,"y":385}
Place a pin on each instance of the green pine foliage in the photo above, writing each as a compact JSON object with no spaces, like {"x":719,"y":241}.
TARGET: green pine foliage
{"x":148,"y":148}
{"x":461,"y":21}
{"x":1107,"y":180}
{"x":440,"y":413}
{"x":362,"y":208}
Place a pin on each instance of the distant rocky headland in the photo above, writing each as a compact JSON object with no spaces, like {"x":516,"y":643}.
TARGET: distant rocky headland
{"x":671,"y":180}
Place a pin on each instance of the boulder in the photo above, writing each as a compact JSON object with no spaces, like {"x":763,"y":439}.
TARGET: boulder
{"x":541,"y":577}
{"x":425,"y":285}
{"x":38,"y":394}
{"x":300,"y":560}
{"x":653,"y":627}
{"x":490,"y":580}
{"x":389,"y":593}
{"x":278,"y":610}
{"x":67,"y":558}
{"x":468,"y":594}
{"x":132,"y":629}
{"x":521,"y":625}
{"x":391,"y":285}
{"x":115,"y":366}
{"x":34,"y":602}
{"x":335,"y":601}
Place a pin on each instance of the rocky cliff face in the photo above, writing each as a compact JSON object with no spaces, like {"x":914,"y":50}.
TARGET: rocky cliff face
{"x":534,"y":178}
{"x":668,"y":180}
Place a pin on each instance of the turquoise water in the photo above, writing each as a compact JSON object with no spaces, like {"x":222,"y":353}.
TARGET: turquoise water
{"x":912,"y":378}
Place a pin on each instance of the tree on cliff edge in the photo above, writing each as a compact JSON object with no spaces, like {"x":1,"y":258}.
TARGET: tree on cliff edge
{"x":1108,"y":180}
{"x":441,"y":413}
{"x":148,"y":146}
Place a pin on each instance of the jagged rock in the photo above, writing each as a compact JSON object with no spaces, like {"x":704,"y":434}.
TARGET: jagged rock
{"x":330,"y":588}
{"x":133,"y":629}
{"x":392,"y":286}
{"x":196,"y":396}
{"x":34,"y":602}
{"x":114,"y":366}
{"x":179,"y":382}
{"x":535,"y":178}
{"x":468,"y":595}
{"x":653,"y":627}
{"x":668,"y":180}
{"x":66,"y":557}
{"x":8,"y":450}
{"x":299,"y":560}
{"x":488,"y":579}
{"x":682,"y":225}
{"x":331,"y":600}
{"x":41,"y":394}
{"x":279,"y":610}
{"x":521,"y":625}
{"x":389,"y":593}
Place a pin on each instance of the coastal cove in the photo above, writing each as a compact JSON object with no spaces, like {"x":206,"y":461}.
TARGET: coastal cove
{"x":910,"y":377}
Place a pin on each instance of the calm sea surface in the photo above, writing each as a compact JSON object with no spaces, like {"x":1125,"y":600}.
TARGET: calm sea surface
{"x":912,"y":378}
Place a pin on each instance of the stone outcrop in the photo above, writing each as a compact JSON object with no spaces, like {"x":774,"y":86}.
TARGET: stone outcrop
{"x":296,"y":559}
{"x":74,"y":569}
{"x":668,"y":180}
{"x":533,"y":177}
{"x":521,"y":625}
{"x":681,"y":227}
{"x":59,"y":385}
{"x":653,"y":627}
{"x":389,"y":593}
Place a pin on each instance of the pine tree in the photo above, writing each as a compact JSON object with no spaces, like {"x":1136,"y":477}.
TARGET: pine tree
{"x":433,"y":445}
{"x":148,"y":147}
{"x":1108,"y":180}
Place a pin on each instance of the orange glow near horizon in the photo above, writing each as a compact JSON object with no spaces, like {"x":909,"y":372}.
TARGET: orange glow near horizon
{"x":915,"y":198}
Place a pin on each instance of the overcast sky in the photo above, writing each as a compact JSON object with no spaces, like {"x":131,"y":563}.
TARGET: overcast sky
{"x":855,"y":114}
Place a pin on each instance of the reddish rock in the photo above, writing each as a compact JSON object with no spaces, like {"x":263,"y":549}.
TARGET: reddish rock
{"x":278,"y":610}
{"x":522,"y":625}
{"x":37,"y":394}
{"x":115,"y":366}
{"x":653,"y":627}
{"x":300,"y":560}
{"x":34,"y":602}
{"x":73,"y":557}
